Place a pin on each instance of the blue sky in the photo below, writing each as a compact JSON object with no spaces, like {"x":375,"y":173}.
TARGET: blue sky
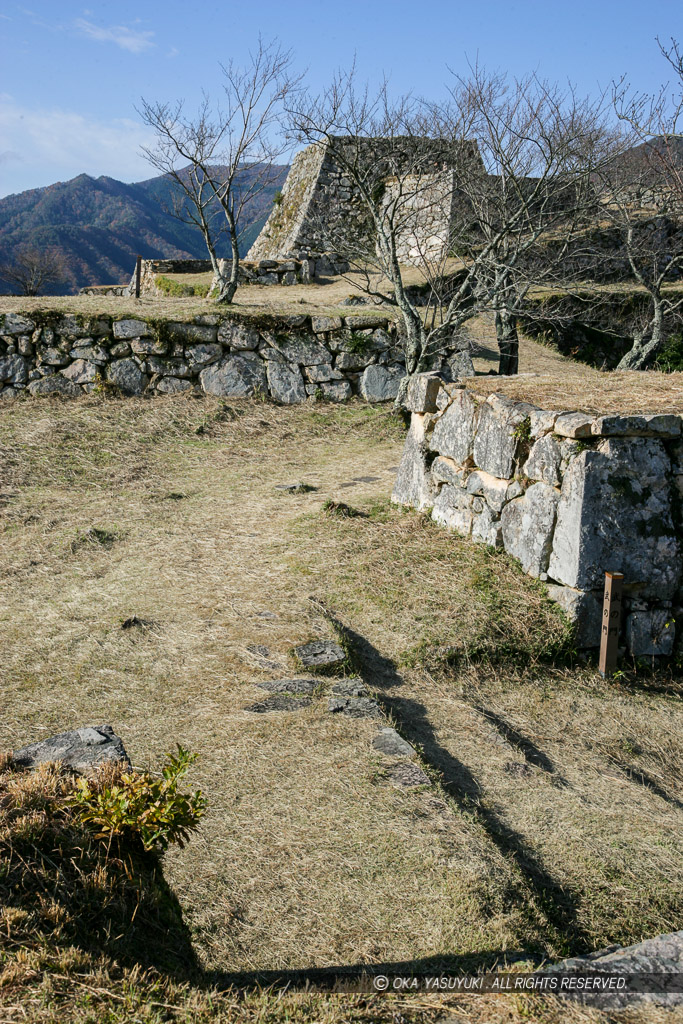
{"x":71,"y":75}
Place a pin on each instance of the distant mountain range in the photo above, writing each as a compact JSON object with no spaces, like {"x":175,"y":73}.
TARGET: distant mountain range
{"x":101,"y":224}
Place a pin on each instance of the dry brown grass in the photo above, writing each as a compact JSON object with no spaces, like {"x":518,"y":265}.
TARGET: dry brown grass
{"x":556,"y":826}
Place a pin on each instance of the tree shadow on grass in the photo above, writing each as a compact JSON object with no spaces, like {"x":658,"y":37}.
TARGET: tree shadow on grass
{"x":556,"y":901}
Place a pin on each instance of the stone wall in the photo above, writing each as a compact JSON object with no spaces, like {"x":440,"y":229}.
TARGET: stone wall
{"x":568,"y":494}
{"x":426,"y":208}
{"x":320,"y":208}
{"x":290,"y":358}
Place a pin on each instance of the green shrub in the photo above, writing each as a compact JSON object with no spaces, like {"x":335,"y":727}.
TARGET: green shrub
{"x":137,"y":806}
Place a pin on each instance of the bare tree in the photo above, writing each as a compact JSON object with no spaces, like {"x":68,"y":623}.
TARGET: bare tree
{"x":223,"y":156}
{"x":32,"y":267}
{"x":501,"y":168}
{"x":643,"y":197}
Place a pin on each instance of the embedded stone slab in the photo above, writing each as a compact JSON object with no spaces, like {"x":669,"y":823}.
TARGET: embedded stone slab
{"x":453,"y":434}
{"x":81,"y":749}
{"x":388,"y":741}
{"x":574,"y":424}
{"x":542,"y":421}
{"x":80,"y":372}
{"x":279,"y":702}
{"x":422,"y":393}
{"x":414,"y":484}
{"x":13,"y":323}
{"x":380,"y":383}
{"x":495,"y":491}
{"x":615,"y":515}
{"x":54,"y":385}
{"x":495,"y":442}
{"x":650,"y":631}
{"x":652,"y":425}
{"x":487,"y":529}
{"x":305,"y":351}
{"x":406,"y":775}
{"x":352,"y":687}
{"x":544,"y":461}
{"x":661,"y":956}
{"x":528,"y":523}
{"x":127,"y":376}
{"x":584,"y":609}
{"x":320,"y":654}
{"x":130,"y":328}
{"x":239,"y":337}
{"x":234,"y":377}
{"x":192,"y":332}
{"x":453,"y":509}
{"x":14,"y":369}
{"x":354,"y":707}
{"x":291,"y":686}
{"x":447,"y":471}
{"x":285,"y":382}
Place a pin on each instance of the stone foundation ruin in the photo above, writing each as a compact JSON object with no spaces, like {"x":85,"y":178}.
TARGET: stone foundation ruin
{"x":320,"y":206}
{"x":568,"y":494}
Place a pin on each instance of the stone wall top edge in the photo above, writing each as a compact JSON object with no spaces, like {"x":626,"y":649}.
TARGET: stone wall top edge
{"x":570,"y":423}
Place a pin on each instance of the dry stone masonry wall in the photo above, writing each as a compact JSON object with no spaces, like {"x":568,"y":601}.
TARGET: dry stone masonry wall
{"x":320,"y":208}
{"x":568,"y":494}
{"x":290,"y":358}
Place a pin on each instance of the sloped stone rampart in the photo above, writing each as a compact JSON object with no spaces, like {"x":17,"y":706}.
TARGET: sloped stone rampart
{"x":568,"y":494}
{"x":320,"y":209}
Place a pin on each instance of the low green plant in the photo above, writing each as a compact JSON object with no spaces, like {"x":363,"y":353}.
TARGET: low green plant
{"x":140,"y":807}
{"x":522,"y":431}
{"x":277,"y":199}
{"x":359,"y":343}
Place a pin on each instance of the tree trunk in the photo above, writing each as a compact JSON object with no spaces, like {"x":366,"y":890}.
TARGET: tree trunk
{"x":227,"y":289}
{"x":508,"y":343}
{"x":643,"y":348}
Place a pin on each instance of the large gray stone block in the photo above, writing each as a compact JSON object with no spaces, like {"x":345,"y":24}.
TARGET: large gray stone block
{"x":81,"y":749}
{"x":13,"y":323}
{"x":14,"y":369}
{"x":528,"y":524}
{"x":544,"y":461}
{"x":55,"y":385}
{"x":615,"y":515}
{"x":80,"y":372}
{"x":454,"y":432}
{"x":127,"y":376}
{"x":239,"y":337}
{"x":422,"y":393}
{"x":453,"y":509}
{"x":496,"y":442}
{"x":666,"y":425}
{"x":381,"y":383}
{"x":307,"y":351}
{"x":414,"y":485}
{"x":131,"y":329}
{"x":233,"y":377}
{"x":285,"y":382}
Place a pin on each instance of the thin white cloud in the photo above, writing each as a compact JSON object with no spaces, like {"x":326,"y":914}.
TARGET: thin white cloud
{"x":42,"y":146}
{"x":173,"y":52}
{"x":131,"y":39}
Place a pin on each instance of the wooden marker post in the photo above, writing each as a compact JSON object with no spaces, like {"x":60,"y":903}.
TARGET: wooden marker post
{"x":611,"y":621}
{"x":138,"y":264}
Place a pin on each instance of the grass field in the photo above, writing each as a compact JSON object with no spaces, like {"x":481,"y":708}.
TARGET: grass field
{"x":554,"y":820}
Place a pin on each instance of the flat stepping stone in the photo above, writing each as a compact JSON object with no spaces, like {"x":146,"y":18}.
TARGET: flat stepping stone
{"x":355,"y":707}
{"x":389,"y":742}
{"x":365,"y":479}
{"x":352,"y":687}
{"x":320,"y":654}
{"x":348,"y":484}
{"x":406,"y":774}
{"x":279,"y":702}
{"x":291,"y":685}
{"x":298,"y":488}
{"x":81,"y":749}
